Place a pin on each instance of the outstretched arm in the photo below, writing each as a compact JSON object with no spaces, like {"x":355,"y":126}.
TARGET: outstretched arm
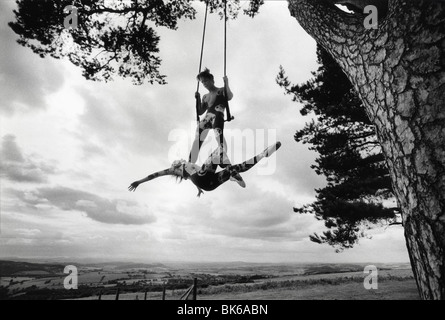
{"x":152,"y":176}
{"x":136,"y":184}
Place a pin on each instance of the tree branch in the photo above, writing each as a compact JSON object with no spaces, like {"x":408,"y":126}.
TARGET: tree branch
{"x":367,"y":143}
{"x":136,"y":9}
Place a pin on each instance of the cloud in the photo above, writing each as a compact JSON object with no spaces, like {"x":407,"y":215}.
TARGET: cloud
{"x":250,"y":213}
{"x":10,"y":150}
{"x":104,"y":135}
{"x":28,"y":233}
{"x":20,"y":168}
{"x":91,"y":150}
{"x":25,"y":78}
{"x":264,"y":215}
{"x":95,"y":207}
{"x":120,"y":115}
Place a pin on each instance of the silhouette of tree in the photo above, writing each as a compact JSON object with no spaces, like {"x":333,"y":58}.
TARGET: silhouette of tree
{"x":349,"y":155}
{"x":111,"y":37}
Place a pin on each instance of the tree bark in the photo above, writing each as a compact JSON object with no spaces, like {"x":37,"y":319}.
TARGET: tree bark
{"x":398,"y":71}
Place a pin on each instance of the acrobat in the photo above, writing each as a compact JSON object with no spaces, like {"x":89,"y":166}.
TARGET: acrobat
{"x":205,"y":177}
{"x":213,"y":104}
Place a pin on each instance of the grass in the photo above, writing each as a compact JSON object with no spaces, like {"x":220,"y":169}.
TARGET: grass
{"x":231,"y":281}
{"x":340,"y":288}
{"x":329,"y":287}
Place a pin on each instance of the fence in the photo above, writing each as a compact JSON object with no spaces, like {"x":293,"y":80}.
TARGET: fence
{"x":191,"y":292}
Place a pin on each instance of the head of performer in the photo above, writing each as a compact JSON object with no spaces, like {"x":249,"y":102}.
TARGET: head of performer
{"x":207,"y":79}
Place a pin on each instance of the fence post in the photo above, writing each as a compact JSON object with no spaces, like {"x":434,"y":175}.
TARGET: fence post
{"x":195,"y":287}
{"x":100,"y":295}
{"x":117,"y":294}
{"x":163,"y":292}
{"x":145,"y":294}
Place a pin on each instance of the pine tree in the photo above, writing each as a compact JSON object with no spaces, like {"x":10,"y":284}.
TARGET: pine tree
{"x":397,"y":68}
{"x":112,"y":38}
{"x":349,"y":155}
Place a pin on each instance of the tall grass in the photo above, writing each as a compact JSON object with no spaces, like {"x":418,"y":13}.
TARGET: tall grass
{"x":289,"y":284}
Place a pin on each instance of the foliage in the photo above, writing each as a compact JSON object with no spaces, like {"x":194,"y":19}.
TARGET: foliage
{"x":349,"y":155}
{"x":113,"y":37}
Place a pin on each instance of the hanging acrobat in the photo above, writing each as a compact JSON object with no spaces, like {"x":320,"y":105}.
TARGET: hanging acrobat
{"x":205,"y":177}
{"x":213,"y":104}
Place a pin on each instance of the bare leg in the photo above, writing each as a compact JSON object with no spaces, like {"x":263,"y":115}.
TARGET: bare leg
{"x":214,"y":160}
{"x":247,"y":165}
{"x":211,"y":164}
{"x":218,"y":128}
{"x":201,"y":133}
{"x":233,"y":170}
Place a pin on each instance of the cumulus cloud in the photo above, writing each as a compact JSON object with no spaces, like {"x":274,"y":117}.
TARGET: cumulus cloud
{"x":249,"y":213}
{"x":10,"y":150}
{"x":94,"y":206}
{"x":122,"y":131}
{"x":120,"y":114}
{"x":17,"y":167}
{"x":28,"y":233}
{"x":24,"y":79}
{"x":261,"y":215}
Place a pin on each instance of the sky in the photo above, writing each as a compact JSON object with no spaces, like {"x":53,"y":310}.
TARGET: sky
{"x":70,"y":148}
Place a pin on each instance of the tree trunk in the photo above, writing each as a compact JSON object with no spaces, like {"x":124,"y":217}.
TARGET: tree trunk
{"x":398,"y":71}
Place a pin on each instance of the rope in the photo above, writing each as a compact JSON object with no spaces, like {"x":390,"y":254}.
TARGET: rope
{"x":203,"y":40}
{"x":229,"y":116}
{"x":200,"y":59}
{"x":225,"y":37}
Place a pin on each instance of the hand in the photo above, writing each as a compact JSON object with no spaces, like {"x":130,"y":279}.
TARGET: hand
{"x":133,"y":186}
{"x":197,"y":95}
{"x":226,"y":80}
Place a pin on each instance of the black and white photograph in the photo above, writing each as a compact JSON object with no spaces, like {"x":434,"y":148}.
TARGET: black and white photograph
{"x":234,"y":151}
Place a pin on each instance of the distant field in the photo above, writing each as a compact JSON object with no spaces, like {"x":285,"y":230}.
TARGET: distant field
{"x":400,"y":289}
{"x":393,"y":285}
{"x":216,"y":281}
{"x":388,"y":290}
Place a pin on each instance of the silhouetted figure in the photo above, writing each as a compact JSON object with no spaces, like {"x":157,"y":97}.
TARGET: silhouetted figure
{"x":205,"y":177}
{"x":213,"y":104}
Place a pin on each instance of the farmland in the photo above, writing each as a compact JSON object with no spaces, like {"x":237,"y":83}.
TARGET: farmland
{"x":216,"y":281}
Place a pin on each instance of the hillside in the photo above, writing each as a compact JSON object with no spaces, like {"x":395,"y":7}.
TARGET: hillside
{"x":236,"y":280}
